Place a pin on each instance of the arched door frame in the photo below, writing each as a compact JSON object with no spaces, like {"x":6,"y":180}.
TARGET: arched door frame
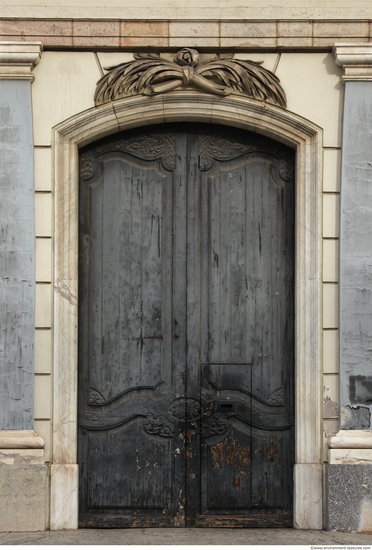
{"x":235,"y":111}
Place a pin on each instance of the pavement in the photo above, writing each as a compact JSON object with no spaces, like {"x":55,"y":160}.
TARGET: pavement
{"x":180,"y":536}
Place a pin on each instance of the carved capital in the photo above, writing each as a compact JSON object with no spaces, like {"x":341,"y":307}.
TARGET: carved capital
{"x":17,"y":59}
{"x":355,"y":60}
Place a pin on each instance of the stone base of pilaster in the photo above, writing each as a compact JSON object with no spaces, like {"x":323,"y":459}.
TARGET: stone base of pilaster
{"x":308,"y":496}
{"x":64,"y":496}
{"x":349,"y":497}
{"x":24,"y":482}
{"x":349,"y":481}
{"x":23,"y":497}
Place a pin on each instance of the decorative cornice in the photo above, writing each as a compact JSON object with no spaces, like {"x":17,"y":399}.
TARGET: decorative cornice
{"x":17,"y":59}
{"x":355,"y":60}
{"x":121,"y":30}
{"x":150,"y":74}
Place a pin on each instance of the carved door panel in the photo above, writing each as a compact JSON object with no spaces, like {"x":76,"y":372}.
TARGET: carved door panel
{"x":131,"y":339}
{"x":246,"y":327}
{"x":186,"y":329}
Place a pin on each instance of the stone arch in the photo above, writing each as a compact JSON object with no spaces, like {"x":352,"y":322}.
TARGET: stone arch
{"x":237,"y":111}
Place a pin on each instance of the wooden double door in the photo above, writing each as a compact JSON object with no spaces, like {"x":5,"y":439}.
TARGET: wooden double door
{"x":186,"y":315}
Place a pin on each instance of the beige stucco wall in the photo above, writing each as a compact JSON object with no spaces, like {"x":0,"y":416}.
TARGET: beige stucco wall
{"x":64,"y":86}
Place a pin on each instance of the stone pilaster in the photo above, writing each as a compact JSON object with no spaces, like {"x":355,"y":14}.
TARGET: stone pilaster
{"x":23,"y":474}
{"x":350,"y":453}
{"x":17,"y":243}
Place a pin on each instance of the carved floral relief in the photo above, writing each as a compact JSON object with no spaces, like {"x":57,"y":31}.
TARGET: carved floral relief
{"x":151,"y":74}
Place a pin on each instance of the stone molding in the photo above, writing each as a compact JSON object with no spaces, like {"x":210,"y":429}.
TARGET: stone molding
{"x":235,"y":111}
{"x":355,"y":60}
{"x":350,"y":447}
{"x":351,"y":439}
{"x":350,"y":456}
{"x":20,"y":439}
{"x":111,"y":31}
{"x":17,"y":59}
{"x":22,"y":456}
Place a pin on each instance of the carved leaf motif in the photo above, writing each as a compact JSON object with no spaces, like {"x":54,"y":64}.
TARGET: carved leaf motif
{"x":185,"y":409}
{"x":246,"y":78}
{"x":95,"y":397}
{"x":214,"y":425}
{"x":151,"y":74}
{"x":276,"y":398}
{"x":286,"y":169}
{"x":155,"y":146}
{"x":158,"y":425}
{"x":146,"y":147}
{"x":86,"y":166}
{"x":221,"y":148}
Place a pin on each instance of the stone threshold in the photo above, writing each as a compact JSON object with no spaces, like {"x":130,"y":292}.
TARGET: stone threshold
{"x":185,"y":536}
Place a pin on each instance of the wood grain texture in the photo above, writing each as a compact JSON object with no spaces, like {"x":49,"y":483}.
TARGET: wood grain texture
{"x":186,"y":333}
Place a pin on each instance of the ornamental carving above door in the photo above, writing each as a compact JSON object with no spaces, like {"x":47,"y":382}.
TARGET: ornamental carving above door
{"x":186,"y":316}
{"x":151,"y":74}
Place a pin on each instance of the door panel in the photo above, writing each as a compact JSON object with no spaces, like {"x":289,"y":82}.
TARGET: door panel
{"x":186,"y":329}
{"x":146,"y":486}
{"x":128,"y":367}
{"x":247,"y":333}
{"x":126,"y":256}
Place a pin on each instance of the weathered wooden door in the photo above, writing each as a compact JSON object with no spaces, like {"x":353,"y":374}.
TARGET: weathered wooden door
{"x":186,"y":329}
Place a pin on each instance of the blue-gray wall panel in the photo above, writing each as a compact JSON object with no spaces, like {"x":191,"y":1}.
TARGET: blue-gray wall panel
{"x":17,"y":256}
{"x":356,"y":258}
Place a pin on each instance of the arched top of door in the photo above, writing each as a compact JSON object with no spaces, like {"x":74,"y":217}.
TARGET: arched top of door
{"x":188,"y":106}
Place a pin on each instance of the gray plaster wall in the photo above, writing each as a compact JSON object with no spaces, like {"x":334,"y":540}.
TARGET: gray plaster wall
{"x":356,"y":258}
{"x":17,"y":256}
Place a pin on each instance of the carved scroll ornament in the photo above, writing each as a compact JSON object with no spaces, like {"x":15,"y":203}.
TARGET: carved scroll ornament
{"x":150,"y":74}
{"x":187,"y":409}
